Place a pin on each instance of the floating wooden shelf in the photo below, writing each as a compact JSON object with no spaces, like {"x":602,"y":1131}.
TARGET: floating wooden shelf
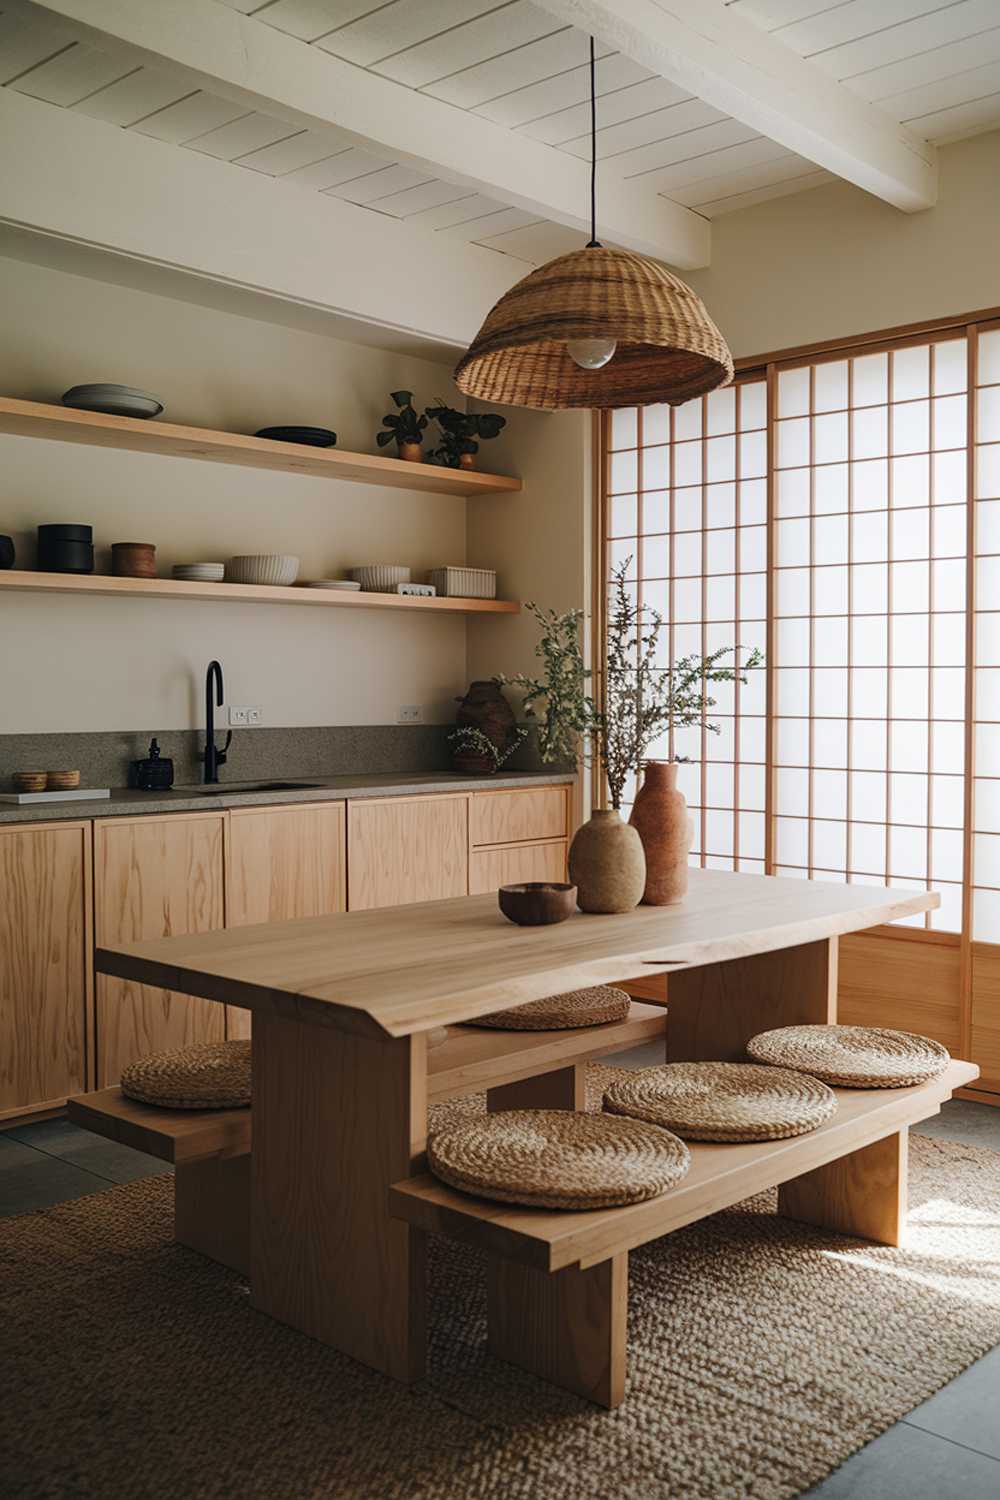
{"x":254,"y":593}
{"x":67,"y":425}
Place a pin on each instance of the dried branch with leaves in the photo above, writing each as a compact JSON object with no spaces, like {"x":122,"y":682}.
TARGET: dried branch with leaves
{"x":642,"y":700}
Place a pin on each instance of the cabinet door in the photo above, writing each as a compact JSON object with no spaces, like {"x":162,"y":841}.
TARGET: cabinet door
{"x":154,"y":877}
{"x":283,"y":862}
{"x":45,"y":964}
{"x":403,"y":849}
{"x":519,"y":817}
{"x":491,"y":868}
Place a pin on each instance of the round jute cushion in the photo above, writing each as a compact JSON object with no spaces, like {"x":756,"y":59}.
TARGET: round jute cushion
{"x":591,"y":1007}
{"x":208,"y":1075}
{"x":556,"y":1158}
{"x":719,"y":1101}
{"x":855,"y":1057}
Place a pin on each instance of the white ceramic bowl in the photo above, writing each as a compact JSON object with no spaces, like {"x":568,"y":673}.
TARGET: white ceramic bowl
{"x":381,"y":578}
{"x":201,"y":572}
{"x":264,"y":567}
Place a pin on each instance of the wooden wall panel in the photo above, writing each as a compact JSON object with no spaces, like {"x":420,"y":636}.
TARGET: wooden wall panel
{"x":986,"y":1016}
{"x":45,"y":964}
{"x":904,"y":984}
{"x":519,"y":817}
{"x":403,"y":849}
{"x":154,"y":877}
{"x":492,"y":868}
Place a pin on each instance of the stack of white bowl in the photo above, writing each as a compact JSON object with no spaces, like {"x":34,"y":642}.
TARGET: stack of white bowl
{"x":202,"y":572}
{"x":263,"y":567}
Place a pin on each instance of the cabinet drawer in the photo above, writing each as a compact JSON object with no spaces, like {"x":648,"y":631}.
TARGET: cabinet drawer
{"x":519,"y":817}
{"x":491,"y":868}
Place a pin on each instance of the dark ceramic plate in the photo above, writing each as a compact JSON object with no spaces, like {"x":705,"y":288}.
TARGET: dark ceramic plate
{"x":313,"y":437}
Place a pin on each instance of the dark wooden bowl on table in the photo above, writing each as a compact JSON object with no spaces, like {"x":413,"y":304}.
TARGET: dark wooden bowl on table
{"x":537,"y":903}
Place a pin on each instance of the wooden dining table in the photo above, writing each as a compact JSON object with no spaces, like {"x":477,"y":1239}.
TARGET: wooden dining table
{"x":343,"y":1007}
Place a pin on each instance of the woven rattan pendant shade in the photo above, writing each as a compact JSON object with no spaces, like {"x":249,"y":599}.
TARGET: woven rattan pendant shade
{"x":668,"y":347}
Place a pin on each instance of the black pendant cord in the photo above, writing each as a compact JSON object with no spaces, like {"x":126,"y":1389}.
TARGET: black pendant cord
{"x":593,"y":243}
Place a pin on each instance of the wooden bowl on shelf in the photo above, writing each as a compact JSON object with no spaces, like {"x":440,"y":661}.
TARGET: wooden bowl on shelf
{"x":29,"y":781}
{"x":62,"y":781}
{"x":537,"y":903}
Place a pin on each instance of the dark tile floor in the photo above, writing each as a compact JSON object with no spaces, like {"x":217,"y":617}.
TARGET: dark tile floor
{"x":947,"y":1449}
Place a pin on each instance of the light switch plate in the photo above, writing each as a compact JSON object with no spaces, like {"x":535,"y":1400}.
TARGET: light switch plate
{"x":240,"y":718}
{"x":410,"y":713}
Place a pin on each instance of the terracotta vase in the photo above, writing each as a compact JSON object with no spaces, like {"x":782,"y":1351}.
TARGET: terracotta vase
{"x":607,"y":865}
{"x":411,"y":453}
{"x":485,"y":708}
{"x":660,"y":817}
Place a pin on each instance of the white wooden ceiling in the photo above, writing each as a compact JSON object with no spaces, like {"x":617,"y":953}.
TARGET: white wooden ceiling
{"x":933,"y":65}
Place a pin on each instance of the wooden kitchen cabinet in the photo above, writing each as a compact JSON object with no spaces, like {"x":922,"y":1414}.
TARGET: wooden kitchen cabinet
{"x":45,"y":964}
{"x":154,"y":877}
{"x":283,"y":862}
{"x":491,"y":868}
{"x":403,"y":849}
{"x":985,"y":1048}
{"x":519,"y":816}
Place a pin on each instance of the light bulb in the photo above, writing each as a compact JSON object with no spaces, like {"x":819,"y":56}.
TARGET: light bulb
{"x":591,"y":354}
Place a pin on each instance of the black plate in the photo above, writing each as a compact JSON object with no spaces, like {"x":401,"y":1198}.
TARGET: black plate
{"x":314,"y":437}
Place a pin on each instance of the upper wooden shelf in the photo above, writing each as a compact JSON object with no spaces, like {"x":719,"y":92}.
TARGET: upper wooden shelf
{"x":67,"y":425}
{"x":252,"y":593}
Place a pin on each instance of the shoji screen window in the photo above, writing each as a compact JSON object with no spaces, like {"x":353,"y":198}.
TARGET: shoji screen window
{"x":986,"y":802}
{"x":868,"y":646}
{"x":687,"y":502}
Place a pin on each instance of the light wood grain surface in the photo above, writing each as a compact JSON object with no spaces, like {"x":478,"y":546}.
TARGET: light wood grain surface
{"x":720,"y":1176}
{"x":174,"y":1135}
{"x":99,"y":429}
{"x":45,"y":968}
{"x":519,"y":817}
{"x":412,"y":968}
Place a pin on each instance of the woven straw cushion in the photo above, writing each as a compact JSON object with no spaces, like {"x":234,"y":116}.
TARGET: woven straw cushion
{"x":210,"y":1075}
{"x":590,"y":1007}
{"x":710,"y":1101}
{"x":556,"y":1158}
{"x":855,"y":1057}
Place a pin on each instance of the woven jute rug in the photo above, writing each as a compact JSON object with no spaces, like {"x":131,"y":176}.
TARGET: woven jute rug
{"x":761,"y":1354}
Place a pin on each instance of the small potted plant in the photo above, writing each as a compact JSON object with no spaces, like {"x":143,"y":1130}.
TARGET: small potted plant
{"x":404,"y":427}
{"x":459,"y":430}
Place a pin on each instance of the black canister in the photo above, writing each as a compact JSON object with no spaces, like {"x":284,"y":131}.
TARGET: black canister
{"x":7,"y":553}
{"x":66,"y":549}
{"x":156,"y":773}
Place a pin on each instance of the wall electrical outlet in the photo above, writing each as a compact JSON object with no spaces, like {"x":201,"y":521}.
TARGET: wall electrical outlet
{"x":241,"y":718}
{"x":410,"y":713}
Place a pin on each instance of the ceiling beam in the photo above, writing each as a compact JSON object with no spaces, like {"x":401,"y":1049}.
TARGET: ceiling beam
{"x":710,"y":51}
{"x":124,"y":195}
{"x":219,"y":49}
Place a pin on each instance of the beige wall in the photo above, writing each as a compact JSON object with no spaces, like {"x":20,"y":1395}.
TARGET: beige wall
{"x":90,"y":664}
{"x":835,"y":261}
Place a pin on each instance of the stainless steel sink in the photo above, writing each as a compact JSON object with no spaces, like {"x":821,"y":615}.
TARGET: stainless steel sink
{"x":231,"y":788}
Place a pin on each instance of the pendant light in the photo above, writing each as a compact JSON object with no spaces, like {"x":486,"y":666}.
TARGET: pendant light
{"x":596,"y":328}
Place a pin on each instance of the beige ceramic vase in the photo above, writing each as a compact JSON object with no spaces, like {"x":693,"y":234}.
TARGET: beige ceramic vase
{"x":660,"y":817}
{"x":607,"y":865}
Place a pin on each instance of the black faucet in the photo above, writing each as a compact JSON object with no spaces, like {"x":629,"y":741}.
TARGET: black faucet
{"x":213,"y":757}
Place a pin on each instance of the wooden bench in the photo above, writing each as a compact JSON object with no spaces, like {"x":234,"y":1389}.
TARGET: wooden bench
{"x":210,"y":1154}
{"x":557,"y":1282}
{"x":210,"y":1149}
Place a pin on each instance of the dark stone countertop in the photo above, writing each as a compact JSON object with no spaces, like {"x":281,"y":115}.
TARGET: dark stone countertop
{"x":130,"y":803}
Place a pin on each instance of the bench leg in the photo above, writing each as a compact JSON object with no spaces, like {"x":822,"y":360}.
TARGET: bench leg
{"x":714,"y":1010}
{"x":212,"y":1208}
{"x":563,"y":1088}
{"x":567,"y":1327}
{"x":337,"y":1119}
{"x":863,"y":1193}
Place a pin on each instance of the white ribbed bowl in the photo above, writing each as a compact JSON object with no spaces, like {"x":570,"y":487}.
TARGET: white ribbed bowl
{"x":381,"y":578}
{"x":263,"y":567}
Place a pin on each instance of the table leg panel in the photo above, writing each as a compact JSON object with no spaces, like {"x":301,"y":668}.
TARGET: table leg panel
{"x":337,"y":1120}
